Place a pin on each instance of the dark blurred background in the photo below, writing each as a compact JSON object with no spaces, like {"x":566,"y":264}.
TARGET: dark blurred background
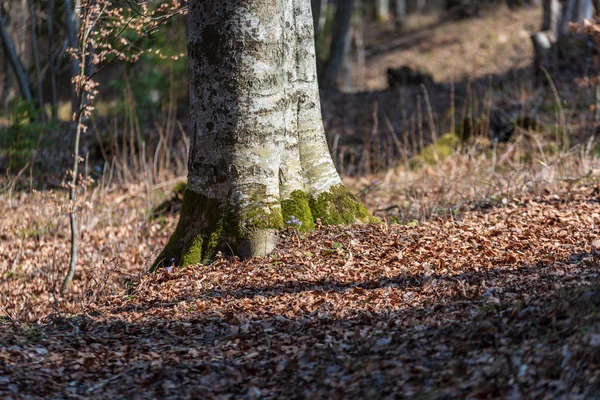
{"x":395,"y":76}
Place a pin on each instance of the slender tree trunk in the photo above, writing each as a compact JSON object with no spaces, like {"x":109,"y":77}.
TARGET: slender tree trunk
{"x":347,"y":62}
{"x":51,"y":65}
{"x":359,"y":33}
{"x":585,"y":10}
{"x":13,"y":58}
{"x":36,"y":60}
{"x":323,"y":16}
{"x":544,"y":40}
{"x":72,"y":26}
{"x":383,"y":10}
{"x":551,"y":17}
{"x":399,"y":14}
{"x":259,"y":160}
{"x":84,"y":43}
{"x":316,"y":14}
{"x":341,"y":25}
{"x":542,"y":47}
{"x":17,"y":15}
{"x":5,"y":94}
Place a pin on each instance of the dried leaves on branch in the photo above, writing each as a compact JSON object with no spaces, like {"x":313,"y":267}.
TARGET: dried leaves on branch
{"x":101,"y":40}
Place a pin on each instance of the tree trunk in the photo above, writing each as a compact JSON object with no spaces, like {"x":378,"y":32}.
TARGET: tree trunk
{"x":17,"y":14}
{"x":383,"y":10}
{"x":51,"y":65}
{"x":575,"y":11}
{"x":315,"y":6}
{"x":542,"y":47}
{"x":551,"y":17}
{"x":399,"y":13}
{"x":15,"y":62}
{"x":72,"y":27}
{"x":347,"y":62}
{"x":259,"y":160}
{"x":7,"y":89}
{"x":341,"y":25}
{"x":555,"y":24}
{"x":36,"y":61}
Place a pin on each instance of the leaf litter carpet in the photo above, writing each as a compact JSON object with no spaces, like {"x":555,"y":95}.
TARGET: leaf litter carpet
{"x":499,"y":302}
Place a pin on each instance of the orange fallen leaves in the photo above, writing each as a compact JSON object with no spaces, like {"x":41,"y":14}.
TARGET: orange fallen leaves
{"x":488,"y":303}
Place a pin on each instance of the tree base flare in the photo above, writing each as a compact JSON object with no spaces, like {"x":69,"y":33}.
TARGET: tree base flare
{"x":338,"y":206}
{"x":207,"y":226}
{"x":198,"y":232}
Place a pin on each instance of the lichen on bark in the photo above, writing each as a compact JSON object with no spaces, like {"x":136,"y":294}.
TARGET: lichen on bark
{"x":258,"y":159}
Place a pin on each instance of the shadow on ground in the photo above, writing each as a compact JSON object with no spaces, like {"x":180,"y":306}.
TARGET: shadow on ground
{"x":529,"y":339}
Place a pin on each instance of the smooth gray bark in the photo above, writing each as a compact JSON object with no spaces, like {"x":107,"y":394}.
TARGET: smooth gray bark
{"x":254,"y":106}
{"x":254,"y":94}
{"x":16,"y":64}
{"x":347,"y":62}
{"x":5,"y":94}
{"x":258,"y":143}
{"x":341,"y":25}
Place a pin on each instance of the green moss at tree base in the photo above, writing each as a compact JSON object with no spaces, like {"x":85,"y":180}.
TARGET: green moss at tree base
{"x":338,"y":206}
{"x":207,"y":225}
{"x":201,"y":219}
{"x":257,"y":217}
{"x":179,"y":187}
{"x":192,"y":252}
{"x":297,"y":213}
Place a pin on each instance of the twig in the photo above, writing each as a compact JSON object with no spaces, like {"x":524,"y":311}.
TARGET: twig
{"x":10,"y":317}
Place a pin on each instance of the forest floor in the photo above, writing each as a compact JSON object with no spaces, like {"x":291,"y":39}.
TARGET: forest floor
{"x":498,"y":302}
{"x":488,"y":288}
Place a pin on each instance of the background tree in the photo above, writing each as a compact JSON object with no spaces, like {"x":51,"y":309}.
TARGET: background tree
{"x":341,"y":27}
{"x":315,"y":6}
{"x":51,"y":61}
{"x":36,"y":59}
{"x":575,"y":11}
{"x":383,"y":10}
{"x":399,"y":13}
{"x":551,"y":17}
{"x":12,"y":54}
{"x":259,"y":160}
{"x":555,"y":26}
